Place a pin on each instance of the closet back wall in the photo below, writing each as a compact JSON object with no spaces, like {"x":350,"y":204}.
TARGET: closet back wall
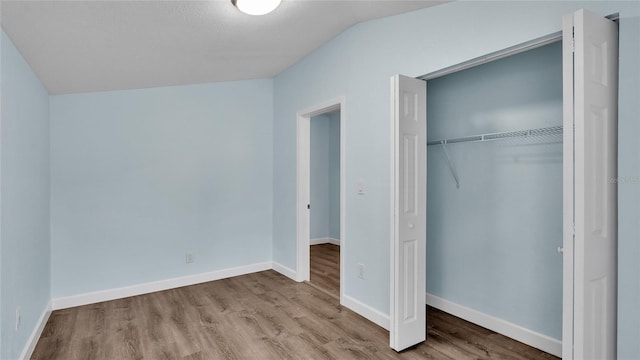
{"x":491,"y":244}
{"x":141,"y":177}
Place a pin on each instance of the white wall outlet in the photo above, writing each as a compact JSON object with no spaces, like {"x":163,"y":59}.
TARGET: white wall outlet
{"x":18,"y":318}
{"x":189,"y":258}
{"x":361,"y":271}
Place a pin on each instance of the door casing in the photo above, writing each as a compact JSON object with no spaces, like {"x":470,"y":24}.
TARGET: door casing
{"x":303,"y":186}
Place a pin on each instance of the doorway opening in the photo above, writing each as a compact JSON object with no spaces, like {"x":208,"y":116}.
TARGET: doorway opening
{"x":320,"y":239}
{"x":494,"y":188}
{"x":325,"y":197}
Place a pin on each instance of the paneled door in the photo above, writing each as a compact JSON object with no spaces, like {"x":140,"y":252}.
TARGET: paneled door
{"x":408,"y":199}
{"x":590,"y":68}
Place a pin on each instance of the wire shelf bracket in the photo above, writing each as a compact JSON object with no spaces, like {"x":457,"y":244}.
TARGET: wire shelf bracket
{"x":451,"y":167}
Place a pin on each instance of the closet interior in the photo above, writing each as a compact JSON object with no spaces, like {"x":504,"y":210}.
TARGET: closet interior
{"x":494,"y":189}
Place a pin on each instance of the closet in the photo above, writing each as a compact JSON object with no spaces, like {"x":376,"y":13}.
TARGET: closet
{"x":494,"y":185}
{"x":522,"y":226}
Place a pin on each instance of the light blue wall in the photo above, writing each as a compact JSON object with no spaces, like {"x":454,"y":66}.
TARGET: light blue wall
{"x":325,"y":176}
{"x":24,"y":206}
{"x":141,"y":177}
{"x":629,"y":188}
{"x":354,"y":66}
{"x":319,"y":167}
{"x":491,"y":244}
{"x":334,"y":175}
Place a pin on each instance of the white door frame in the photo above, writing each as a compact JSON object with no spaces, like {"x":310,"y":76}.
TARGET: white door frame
{"x":568,"y":180}
{"x":303,"y":186}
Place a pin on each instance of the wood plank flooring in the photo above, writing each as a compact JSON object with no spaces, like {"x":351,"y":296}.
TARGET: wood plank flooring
{"x":257,"y":316}
{"x":325,"y":268}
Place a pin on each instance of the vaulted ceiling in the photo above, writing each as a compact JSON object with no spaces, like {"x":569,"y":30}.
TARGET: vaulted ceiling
{"x":82,"y":46}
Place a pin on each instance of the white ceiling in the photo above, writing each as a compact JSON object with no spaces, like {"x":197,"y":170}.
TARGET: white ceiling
{"x":82,"y":46}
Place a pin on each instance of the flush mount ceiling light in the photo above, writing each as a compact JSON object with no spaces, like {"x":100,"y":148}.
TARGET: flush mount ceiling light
{"x":256,"y":7}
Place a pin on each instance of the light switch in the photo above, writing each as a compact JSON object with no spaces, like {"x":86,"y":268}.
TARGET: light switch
{"x":360,"y":185}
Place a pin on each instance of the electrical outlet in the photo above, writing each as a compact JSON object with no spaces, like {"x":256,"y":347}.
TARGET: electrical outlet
{"x":189,"y":258}
{"x":361,"y":271}
{"x":18,"y":318}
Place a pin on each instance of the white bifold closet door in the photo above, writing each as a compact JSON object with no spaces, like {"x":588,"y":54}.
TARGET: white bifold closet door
{"x":408,"y":317}
{"x":590,"y":57}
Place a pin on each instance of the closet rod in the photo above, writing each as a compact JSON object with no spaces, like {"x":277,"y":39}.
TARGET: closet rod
{"x":547,"y":131}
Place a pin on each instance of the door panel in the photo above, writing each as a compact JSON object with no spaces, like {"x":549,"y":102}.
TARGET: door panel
{"x":592,"y":165}
{"x":408,"y":238}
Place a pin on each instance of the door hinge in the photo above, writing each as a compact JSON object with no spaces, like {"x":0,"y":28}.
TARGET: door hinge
{"x":573,"y":40}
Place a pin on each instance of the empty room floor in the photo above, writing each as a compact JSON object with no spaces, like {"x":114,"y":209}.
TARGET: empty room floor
{"x":263,"y":315}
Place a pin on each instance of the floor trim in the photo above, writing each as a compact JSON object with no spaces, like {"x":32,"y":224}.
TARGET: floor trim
{"x":139,"y":289}
{"x":366,"y":311}
{"x":516,"y":332}
{"x":35,"y":334}
{"x":325,"y":240}
{"x":288,"y":272}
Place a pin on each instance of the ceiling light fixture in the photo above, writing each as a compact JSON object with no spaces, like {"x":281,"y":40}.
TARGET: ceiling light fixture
{"x":256,"y":7}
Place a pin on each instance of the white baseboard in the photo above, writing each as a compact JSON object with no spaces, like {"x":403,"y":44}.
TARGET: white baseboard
{"x":516,"y":332}
{"x":366,"y":311}
{"x":139,"y":289}
{"x":35,"y":334}
{"x":288,"y":272}
{"x":325,"y":240}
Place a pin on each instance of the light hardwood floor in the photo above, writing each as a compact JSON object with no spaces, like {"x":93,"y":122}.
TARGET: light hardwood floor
{"x":257,"y":316}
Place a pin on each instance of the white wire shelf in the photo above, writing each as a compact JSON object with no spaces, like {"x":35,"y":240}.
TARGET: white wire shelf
{"x":553,"y":133}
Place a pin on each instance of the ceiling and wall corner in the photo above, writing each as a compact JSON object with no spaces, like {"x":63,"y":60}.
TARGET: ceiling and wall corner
{"x":86,"y":46}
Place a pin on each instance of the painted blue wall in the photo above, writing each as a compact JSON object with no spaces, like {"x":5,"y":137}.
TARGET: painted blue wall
{"x":354,"y":66}
{"x":491,"y":244}
{"x":319,"y":181}
{"x":24,"y":206}
{"x":334,"y":175}
{"x":629,"y":187}
{"x":325,"y":176}
{"x":141,"y":177}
